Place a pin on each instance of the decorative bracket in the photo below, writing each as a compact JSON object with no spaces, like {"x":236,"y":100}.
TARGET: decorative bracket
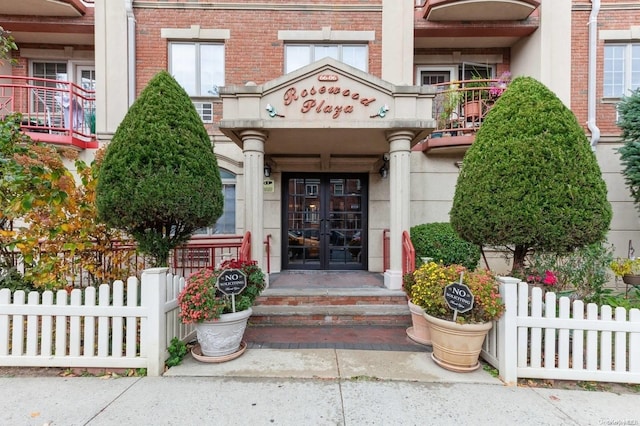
{"x":272,"y":111}
{"x":381,"y":112}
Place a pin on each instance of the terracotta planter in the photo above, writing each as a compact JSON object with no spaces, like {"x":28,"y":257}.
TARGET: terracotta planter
{"x":472,"y":110}
{"x":456,"y":347}
{"x":419,"y":332}
{"x":631,"y":279}
{"x":224,"y":336}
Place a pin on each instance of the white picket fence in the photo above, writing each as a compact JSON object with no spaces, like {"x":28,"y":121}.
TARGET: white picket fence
{"x":122,"y":330}
{"x":545,"y":338}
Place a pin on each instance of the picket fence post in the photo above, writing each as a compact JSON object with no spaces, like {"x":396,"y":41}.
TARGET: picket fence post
{"x":154,"y":297}
{"x":507,"y":331}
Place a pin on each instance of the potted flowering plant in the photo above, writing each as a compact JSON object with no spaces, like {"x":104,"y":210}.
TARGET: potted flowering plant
{"x":627,"y":269}
{"x":457,"y":337}
{"x":498,"y":88}
{"x":220,"y":318}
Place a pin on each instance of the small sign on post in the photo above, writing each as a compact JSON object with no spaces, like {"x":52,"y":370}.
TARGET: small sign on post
{"x":231,"y":282}
{"x":458,"y":297}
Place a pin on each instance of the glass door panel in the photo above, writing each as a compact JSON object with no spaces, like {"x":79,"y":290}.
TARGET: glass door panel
{"x":324,"y":221}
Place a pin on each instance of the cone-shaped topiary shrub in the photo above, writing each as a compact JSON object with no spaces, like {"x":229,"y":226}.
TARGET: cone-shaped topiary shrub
{"x":629,"y":110}
{"x":160,"y":180}
{"x":440,"y":242}
{"x":530,"y":181}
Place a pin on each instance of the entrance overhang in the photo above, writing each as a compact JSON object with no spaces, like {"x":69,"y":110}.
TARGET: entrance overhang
{"x":326,"y":116}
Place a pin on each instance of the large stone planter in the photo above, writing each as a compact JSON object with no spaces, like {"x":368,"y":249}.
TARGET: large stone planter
{"x":419,"y":332}
{"x":456,"y":347}
{"x":222,"y":337}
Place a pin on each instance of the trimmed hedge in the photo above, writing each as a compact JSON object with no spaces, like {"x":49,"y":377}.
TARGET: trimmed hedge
{"x":439,"y":241}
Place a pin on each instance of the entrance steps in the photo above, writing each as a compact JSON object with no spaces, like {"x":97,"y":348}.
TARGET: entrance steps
{"x":331,"y":306}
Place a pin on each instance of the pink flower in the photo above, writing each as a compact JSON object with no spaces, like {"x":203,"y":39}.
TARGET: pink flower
{"x":549,"y":278}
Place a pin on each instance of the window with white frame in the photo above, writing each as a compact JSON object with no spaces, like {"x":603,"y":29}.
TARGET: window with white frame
{"x":298,"y":55}
{"x":621,"y":69}
{"x":226,"y":224}
{"x":198,"y":67}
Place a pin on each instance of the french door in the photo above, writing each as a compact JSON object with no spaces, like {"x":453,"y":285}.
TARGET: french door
{"x":324,"y":221}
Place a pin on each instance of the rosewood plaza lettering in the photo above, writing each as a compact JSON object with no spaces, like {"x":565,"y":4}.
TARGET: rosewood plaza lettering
{"x":325,"y":99}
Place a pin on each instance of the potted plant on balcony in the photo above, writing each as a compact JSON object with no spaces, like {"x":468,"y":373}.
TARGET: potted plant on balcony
{"x":498,"y":87}
{"x":475,"y":92}
{"x":447,"y":103}
{"x":457,"y":335}
{"x":220,"y":311}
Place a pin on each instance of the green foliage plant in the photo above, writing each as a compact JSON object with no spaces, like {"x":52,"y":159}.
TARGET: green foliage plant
{"x":7,"y":45}
{"x":530,"y":181}
{"x":200,"y":300}
{"x":160,"y":181}
{"x":428,"y":292}
{"x":59,"y":232}
{"x":440,"y":242}
{"x":177,"y":350}
{"x":583,"y":270}
{"x":629,"y":122}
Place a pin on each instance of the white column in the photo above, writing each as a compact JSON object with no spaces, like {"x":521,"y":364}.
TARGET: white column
{"x":399,"y":202}
{"x":111,"y":47}
{"x":253,"y":148}
{"x":397,"y":41}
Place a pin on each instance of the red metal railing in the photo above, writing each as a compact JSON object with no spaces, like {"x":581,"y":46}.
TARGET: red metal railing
{"x":53,"y":111}
{"x":460,"y":107}
{"x":205,"y":251}
{"x":386,"y":263}
{"x":123,"y":259}
{"x":245,"y":247}
{"x":408,"y":252}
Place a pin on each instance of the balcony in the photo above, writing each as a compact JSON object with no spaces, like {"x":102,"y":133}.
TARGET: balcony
{"x":56,"y":112}
{"x":466,"y":24}
{"x":38,"y":23}
{"x":45,"y":7}
{"x":459,"y":109}
{"x":477,"y":10}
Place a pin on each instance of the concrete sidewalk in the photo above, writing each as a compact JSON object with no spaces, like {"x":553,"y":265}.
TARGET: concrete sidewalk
{"x":306,"y":387}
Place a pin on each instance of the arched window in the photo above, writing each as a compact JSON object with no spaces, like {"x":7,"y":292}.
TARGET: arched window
{"x":226,"y":224}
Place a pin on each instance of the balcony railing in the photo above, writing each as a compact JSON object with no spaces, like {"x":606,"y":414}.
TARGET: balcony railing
{"x":459,"y":109}
{"x":53,"y":111}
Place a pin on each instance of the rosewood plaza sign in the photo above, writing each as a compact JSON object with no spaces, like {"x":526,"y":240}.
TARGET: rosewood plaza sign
{"x":327,"y":97}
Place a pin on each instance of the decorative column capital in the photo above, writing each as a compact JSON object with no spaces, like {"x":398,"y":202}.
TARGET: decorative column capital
{"x":394,"y":135}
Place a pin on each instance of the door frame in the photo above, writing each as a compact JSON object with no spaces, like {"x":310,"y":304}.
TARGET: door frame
{"x":324,"y":263}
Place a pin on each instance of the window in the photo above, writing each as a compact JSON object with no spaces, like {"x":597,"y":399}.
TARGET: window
{"x":226,"y":224}
{"x":198,"y":67}
{"x":46,"y":103}
{"x":205,"y":111}
{"x":299,"y":55}
{"x":621,"y":69}
{"x":50,"y":70}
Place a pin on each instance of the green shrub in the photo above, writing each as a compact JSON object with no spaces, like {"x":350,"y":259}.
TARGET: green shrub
{"x":440,"y":242}
{"x":530,"y":181}
{"x":583,"y":270}
{"x":629,"y":110}
{"x":159,"y":180}
{"x":13,"y":280}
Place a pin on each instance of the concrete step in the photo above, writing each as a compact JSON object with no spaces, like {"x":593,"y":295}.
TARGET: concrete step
{"x":371,"y":306}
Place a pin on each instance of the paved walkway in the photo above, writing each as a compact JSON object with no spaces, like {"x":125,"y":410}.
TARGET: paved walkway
{"x":306,"y":387}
